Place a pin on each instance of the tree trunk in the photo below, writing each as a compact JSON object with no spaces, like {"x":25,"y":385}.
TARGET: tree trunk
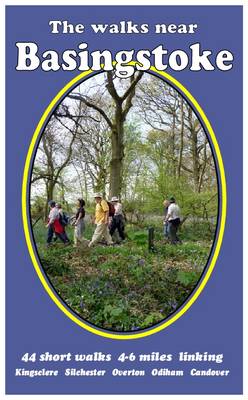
{"x":181,"y":141}
{"x":85,"y":189}
{"x":122,"y":104}
{"x":116,"y":164}
{"x":49,"y":194}
{"x":203,"y":166}
{"x":194,"y":149}
{"x":173,"y":165}
{"x":195,"y":159}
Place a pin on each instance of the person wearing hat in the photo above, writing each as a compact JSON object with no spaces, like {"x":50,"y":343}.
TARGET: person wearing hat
{"x":173,"y":218}
{"x":101,"y":221}
{"x":117,"y":221}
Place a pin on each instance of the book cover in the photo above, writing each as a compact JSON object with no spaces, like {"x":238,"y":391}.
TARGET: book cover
{"x":124,"y":199}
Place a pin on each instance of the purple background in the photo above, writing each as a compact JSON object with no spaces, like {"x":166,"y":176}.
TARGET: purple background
{"x":214,"y":322}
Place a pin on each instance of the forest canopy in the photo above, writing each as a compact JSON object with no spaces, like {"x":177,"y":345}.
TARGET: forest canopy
{"x":135,"y":138}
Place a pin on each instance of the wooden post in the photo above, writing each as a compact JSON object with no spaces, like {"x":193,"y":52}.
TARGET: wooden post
{"x":151,"y":239}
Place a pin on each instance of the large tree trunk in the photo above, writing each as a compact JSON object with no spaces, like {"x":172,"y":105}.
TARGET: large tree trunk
{"x":116,"y":164}
{"x":122,"y":104}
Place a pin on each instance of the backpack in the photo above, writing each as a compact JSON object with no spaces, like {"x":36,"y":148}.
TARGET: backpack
{"x":64,"y":219}
{"x":111,"y":209}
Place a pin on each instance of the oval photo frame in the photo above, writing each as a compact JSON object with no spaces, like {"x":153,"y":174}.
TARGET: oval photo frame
{"x":219,"y":230}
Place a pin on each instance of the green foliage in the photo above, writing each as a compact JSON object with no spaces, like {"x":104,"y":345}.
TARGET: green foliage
{"x":186,"y":278}
{"x":125,"y":287}
{"x":194,"y":205}
{"x":52,"y":262}
{"x":151,"y":319}
{"x":38,"y":206}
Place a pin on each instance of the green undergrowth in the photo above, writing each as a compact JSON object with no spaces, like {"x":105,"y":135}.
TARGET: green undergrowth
{"x":125,"y":287}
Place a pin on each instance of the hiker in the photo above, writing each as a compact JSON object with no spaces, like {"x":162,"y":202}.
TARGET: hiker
{"x":173,"y":218}
{"x":117,"y":221}
{"x":79,"y":222}
{"x":101,"y":221}
{"x":166,"y":204}
{"x":63,"y":219}
{"x":54,"y":225}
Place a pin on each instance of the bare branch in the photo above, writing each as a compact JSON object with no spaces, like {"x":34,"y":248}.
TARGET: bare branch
{"x":111,"y":88}
{"x":133,"y":84}
{"x":91,"y":105}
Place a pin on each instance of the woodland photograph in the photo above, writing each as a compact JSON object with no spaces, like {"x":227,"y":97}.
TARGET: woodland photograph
{"x":124,"y":200}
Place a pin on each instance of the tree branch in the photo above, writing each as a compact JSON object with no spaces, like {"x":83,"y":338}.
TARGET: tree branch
{"x":91,"y":105}
{"x":111,"y":88}
{"x":187,"y":169}
{"x":133,"y":84}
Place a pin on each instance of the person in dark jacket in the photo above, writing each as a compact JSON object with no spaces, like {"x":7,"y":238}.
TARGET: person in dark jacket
{"x":117,"y":221}
{"x":79,"y":222}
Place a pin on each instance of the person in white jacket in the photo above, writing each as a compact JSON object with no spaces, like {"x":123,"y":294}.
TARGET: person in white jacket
{"x":173,"y":218}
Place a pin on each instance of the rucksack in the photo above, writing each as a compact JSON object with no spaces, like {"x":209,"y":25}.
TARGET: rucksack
{"x":63,"y":219}
{"x":111,"y":209}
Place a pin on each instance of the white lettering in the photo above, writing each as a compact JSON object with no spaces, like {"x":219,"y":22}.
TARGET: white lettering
{"x":224,"y":60}
{"x":200,"y":60}
{"x":178,"y":60}
{"x":27,"y":58}
{"x":122,"y":69}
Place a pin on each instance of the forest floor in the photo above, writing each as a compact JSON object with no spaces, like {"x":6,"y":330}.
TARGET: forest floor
{"x":125,"y":287}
